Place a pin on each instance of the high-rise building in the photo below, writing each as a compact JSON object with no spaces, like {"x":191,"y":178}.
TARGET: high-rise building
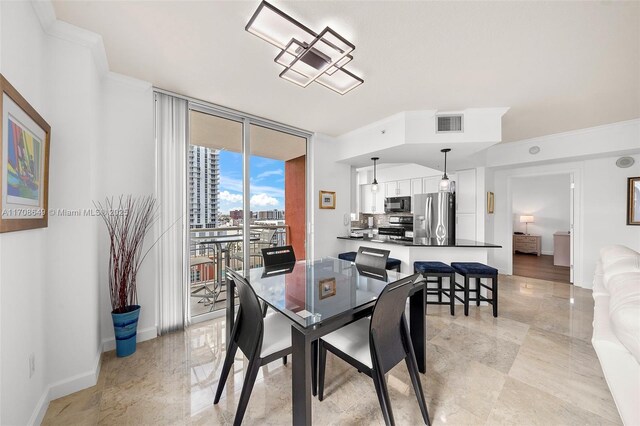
{"x":204,"y":181}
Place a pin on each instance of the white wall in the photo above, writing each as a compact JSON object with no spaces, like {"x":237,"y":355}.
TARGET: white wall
{"x":600,"y":200}
{"x":604,"y":214}
{"x":51,"y":278}
{"x":547,"y":199}
{"x":128,"y":167}
{"x":23,"y":254}
{"x":329,"y":175}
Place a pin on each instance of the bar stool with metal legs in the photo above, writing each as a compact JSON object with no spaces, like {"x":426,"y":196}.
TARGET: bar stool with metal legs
{"x":434,"y":272}
{"x":477,"y":271}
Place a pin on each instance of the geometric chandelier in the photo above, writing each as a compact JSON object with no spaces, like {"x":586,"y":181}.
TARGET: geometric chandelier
{"x":305,"y":55}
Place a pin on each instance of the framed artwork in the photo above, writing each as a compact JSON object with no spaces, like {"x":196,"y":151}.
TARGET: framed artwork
{"x":327,"y":200}
{"x":25,"y":163}
{"x":490,"y":202}
{"x":327,"y":288}
{"x":633,"y":201}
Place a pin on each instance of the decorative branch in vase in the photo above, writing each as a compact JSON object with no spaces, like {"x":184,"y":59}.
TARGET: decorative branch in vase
{"x":128,"y":221}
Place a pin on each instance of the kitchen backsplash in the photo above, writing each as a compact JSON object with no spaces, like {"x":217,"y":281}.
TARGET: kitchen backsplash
{"x":378,"y":219}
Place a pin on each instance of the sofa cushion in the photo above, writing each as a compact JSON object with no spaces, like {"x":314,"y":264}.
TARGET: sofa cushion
{"x":613,"y":253}
{"x":624,"y":310}
{"x":622,"y":266}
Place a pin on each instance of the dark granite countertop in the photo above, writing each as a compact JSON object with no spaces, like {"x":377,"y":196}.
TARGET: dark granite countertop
{"x":433,"y":242}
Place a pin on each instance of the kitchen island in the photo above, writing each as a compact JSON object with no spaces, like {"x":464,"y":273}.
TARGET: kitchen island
{"x":423,"y":250}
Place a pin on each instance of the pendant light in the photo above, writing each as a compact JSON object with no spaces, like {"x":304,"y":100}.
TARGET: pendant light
{"x":374,"y":184}
{"x":445,"y":183}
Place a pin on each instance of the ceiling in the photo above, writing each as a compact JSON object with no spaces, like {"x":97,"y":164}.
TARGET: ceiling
{"x":220,"y":133}
{"x":559,"y":66}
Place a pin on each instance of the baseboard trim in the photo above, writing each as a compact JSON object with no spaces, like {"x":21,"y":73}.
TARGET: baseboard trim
{"x":41,"y":408}
{"x":547,"y":252}
{"x":63,"y":388}
{"x":146,"y":334}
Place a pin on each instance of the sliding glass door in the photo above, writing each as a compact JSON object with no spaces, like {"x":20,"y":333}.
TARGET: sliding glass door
{"x":246,"y":182}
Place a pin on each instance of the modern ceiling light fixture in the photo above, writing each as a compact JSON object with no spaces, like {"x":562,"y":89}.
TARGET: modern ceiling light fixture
{"x":305,"y":55}
{"x":374,"y":184}
{"x":445,"y":183}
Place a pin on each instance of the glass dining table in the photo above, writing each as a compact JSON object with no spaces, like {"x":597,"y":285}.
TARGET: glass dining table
{"x":319,"y":297}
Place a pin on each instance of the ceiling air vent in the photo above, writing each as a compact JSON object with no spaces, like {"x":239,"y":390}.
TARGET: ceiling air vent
{"x":449,"y":123}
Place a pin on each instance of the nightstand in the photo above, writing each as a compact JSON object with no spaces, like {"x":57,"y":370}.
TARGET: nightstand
{"x":527,"y":244}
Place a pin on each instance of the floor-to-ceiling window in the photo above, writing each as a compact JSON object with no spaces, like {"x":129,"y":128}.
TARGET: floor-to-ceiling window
{"x":246,"y":191}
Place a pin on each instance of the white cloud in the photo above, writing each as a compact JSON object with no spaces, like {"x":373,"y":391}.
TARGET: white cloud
{"x":227,"y":196}
{"x":263,"y":200}
{"x":232,"y":184}
{"x":263,"y":175}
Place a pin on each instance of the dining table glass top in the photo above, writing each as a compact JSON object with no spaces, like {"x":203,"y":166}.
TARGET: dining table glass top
{"x":309,"y":292}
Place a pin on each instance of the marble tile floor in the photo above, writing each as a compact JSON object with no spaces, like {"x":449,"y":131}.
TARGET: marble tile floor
{"x":532,"y":365}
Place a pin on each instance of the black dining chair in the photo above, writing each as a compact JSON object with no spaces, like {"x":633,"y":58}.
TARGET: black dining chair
{"x":273,"y":256}
{"x":372,"y":257}
{"x":375,"y":345}
{"x":261,"y":339}
{"x":273,"y":259}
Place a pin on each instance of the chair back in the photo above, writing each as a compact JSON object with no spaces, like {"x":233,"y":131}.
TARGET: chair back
{"x":249,"y":327}
{"x":278,"y":256}
{"x":388,"y":331}
{"x":372,"y":258}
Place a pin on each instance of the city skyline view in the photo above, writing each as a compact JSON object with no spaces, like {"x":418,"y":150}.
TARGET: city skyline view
{"x":267,"y":183}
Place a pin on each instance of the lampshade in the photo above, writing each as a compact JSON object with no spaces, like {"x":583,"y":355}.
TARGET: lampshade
{"x":526,"y":219}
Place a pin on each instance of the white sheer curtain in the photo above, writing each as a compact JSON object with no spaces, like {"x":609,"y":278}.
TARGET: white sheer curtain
{"x":171,"y":118}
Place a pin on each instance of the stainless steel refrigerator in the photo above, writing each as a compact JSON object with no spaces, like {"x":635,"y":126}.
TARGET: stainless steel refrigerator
{"x":434,"y":218}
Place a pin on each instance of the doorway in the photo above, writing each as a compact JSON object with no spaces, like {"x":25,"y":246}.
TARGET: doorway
{"x":542,"y":220}
{"x":246,"y":191}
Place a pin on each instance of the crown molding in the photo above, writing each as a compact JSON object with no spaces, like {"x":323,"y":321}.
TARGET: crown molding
{"x":64,"y":31}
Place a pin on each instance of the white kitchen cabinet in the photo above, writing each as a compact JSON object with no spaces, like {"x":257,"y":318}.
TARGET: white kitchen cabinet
{"x":390,"y":189}
{"x":371,"y":202}
{"x":378,"y":205}
{"x":416,"y":186}
{"x":430,"y":184}
{"x":367,"y":203}
{"x":404,"y":188}
{"x":466,"y":226}
{"x":397,"y":188}
{"x":466,"y":192}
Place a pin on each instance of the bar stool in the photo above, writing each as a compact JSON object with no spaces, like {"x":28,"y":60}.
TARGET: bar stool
{"x":438,"y":270}
{"x":478,"y":271}
{"x":392,"y":264}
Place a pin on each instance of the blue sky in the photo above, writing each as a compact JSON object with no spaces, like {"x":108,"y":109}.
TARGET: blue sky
{"x":267,"y":182}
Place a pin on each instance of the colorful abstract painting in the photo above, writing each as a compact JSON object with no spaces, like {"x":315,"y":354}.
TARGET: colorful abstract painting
{"x":24,"y":152}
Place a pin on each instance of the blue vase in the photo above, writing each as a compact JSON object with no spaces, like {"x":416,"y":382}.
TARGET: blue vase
{"x":125,"y":327}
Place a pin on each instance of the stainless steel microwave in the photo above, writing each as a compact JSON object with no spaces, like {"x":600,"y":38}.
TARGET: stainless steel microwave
{"x":397,"y":205}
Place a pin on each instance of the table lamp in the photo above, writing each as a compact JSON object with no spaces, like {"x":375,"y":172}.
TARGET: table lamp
{"x":526,"y":220}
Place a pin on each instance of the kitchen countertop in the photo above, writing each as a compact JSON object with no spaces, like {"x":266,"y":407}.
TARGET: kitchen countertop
{"x":423,"y":242}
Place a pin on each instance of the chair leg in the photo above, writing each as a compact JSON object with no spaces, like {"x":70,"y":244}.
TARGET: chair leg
{"x":322,"y":361}
{"x":284,"y":360}
{"x":226,"y":367}
{"x":383,"y":396}
{"x":494,"y":295}
{"x":247,"y":387}
{"x":417,"y":387}
{"x":452,"y":293}
{"x":264,"y":309}
{"x":466,"y":296}
{"x":440,"y":289}
{"x":478,"y":288}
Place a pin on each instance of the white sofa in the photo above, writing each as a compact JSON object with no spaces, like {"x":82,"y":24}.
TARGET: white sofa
{"x":616,"y":327}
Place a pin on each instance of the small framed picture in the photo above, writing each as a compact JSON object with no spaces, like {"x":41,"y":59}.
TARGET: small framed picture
{"x":490,"y":202}
{"x":327,"y":200}
{"x":327,"y":288}
{"x":633,"y":201}
{"x":24,"y":179}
